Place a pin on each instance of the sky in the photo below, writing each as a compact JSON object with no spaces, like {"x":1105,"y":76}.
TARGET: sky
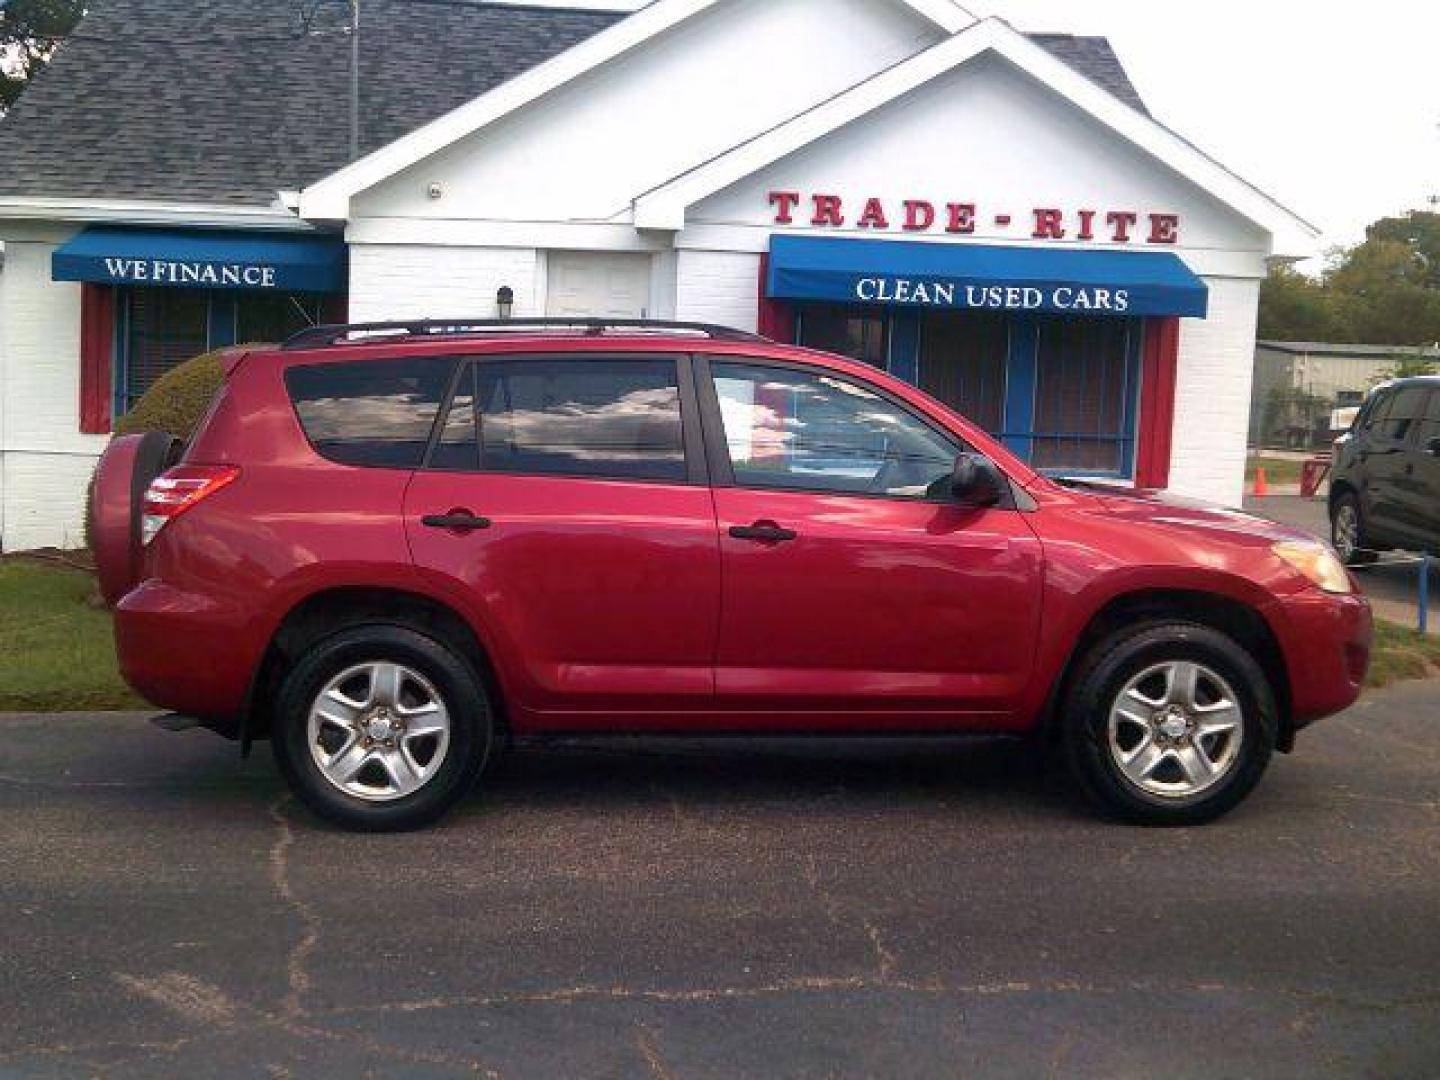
{"x":1331,"y":108}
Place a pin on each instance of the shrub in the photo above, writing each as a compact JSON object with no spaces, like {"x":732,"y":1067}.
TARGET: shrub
{"x":177,"y":401}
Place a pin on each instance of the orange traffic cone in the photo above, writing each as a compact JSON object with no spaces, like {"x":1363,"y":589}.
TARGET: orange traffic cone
{"x":1261,"y":488}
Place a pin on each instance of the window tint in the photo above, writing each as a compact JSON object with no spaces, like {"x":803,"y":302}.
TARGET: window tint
{"x":817,"y":432}
{"x":601,"y":417}
{"x":1432,"y":410}
{"x":1406,"y":407}
{"x":377,"y":413}
{"x":458,"y":448}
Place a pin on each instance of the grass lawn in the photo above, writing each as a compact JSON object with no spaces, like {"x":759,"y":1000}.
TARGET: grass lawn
{"x":1277,"y":470}
{"x":56,"y":651}
{"x":1402,"y":653}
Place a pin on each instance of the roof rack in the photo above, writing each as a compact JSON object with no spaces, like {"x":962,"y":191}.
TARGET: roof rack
{"x":337,"y":334}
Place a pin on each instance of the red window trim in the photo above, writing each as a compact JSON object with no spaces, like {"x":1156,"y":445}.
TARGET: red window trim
{"x":1159,"y":367}
{"x":776,"y":319}
{"x":97,"y":351}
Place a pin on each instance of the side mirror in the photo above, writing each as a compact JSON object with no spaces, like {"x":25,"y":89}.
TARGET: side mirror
{"x":976,"y":481}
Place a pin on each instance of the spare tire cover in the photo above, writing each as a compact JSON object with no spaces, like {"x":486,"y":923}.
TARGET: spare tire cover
{"x":117,"y":495}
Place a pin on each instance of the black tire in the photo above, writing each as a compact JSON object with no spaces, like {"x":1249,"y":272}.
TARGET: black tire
{"x":1361,"y":552}
{"x":462,"y":693}
{"x":1106,"y":671}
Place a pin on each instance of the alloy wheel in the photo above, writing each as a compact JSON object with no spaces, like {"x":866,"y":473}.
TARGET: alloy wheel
{"x":1346,"y":534}
{"x":1175,"y":729}
{"x":378,"y":731}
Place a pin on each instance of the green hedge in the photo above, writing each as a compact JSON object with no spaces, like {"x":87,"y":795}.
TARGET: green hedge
{"x":176,"y":403}
{"x":178,"y":399}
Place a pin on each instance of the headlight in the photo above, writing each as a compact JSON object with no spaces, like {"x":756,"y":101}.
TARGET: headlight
{"x":1317,"y":562}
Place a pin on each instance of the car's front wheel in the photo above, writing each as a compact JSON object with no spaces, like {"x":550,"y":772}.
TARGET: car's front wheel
{"x":1169,"y":723}
{"x":1347,"y":531}
{"x":382,"y":728}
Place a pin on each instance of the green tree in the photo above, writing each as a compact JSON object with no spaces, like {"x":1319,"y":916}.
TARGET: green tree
{"x":30,"y":31}
{"x":1384,"y":296}
{"x":1384,"y":291}
{"x":1295,"y":307}
{"x":1408,"y":365}
{"x":1419,"y":230}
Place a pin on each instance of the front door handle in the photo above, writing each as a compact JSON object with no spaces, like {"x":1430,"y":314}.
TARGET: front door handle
{"x":456,"y":521}
{"x":766,"y":532}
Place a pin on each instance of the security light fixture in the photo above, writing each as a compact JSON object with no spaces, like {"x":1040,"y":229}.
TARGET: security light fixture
{"x":505,"y":301}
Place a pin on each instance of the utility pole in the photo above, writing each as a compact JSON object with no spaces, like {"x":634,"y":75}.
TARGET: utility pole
{"x":354,"y":80}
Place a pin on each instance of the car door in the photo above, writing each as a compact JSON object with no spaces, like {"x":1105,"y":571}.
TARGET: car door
{"x":1421,"y":482}
{"x":1386,"y":459}
{"x":855,"y":593}
{"x":565,"y":497}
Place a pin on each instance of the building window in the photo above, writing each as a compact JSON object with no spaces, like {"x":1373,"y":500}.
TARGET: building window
{"x":859,"y":333}
{"x":274,"y":316}
{"x":161,"y":328}
{"x":963,"y":361}
{"x":1084,"y":390}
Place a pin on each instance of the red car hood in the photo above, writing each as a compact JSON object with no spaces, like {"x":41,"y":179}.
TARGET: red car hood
{"x":1163,"y":508}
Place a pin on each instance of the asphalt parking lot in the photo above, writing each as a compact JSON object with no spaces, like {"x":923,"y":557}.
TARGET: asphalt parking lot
{"x":700,"y":911}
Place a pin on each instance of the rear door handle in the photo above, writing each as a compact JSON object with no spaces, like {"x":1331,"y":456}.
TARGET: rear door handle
{"x":766,"y":532}
{"x":456,"y":521}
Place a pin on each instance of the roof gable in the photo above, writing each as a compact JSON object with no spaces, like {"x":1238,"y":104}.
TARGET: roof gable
{"x":329,"y":198}
{"x":665,"y":207}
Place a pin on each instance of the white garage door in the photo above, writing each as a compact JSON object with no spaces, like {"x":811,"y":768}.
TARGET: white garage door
{"x":597,"y":284}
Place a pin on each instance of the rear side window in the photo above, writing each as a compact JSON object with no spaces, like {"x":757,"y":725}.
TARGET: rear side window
{"x":611,"y":417}
{"x":378,"y":413}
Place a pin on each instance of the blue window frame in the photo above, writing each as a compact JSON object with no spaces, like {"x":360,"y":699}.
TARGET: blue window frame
{"x":157,"y":329}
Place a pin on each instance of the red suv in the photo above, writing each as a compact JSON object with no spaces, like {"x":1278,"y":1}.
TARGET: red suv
{"x":391,"y":548}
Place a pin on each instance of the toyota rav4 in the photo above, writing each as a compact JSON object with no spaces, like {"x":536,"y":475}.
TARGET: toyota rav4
{"x":392,"y":548}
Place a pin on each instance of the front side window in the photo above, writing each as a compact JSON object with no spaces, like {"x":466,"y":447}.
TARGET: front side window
{"x":1406,"y":407}
{"x":605,"y":417}
{"x":374,"y":412}
{"x":812,"y":431}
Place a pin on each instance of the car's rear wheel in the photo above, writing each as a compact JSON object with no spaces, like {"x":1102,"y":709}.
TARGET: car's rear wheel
{"x":1169,"y":723}
{"x":1347,"y":531}
{"x":381,"y":728}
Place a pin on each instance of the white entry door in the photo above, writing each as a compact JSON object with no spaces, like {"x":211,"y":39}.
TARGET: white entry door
{"x":593,"y":284}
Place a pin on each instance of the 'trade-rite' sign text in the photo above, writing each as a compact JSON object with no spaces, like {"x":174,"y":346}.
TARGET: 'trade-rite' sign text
{"x":963,"y":218}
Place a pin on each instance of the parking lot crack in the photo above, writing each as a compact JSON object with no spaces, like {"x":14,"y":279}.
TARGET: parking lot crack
{"x":296,"y":970}
{"x":650,"y":1051}
{"x":885,"y":959}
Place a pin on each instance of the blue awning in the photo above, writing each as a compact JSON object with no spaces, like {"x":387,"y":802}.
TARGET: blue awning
{"x":202,"y":259}
{"x":984,"y":277}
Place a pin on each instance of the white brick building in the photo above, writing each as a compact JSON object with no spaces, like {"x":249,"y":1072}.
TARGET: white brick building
{"x":991,"y":214}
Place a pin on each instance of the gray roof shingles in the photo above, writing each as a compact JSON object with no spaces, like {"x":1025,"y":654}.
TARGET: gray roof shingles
{"x":221,"y":102}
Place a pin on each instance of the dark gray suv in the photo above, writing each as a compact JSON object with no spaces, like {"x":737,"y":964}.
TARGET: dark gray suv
{"x":1385,"y":488}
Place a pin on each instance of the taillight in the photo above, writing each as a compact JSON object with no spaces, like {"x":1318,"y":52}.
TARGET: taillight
{"x":182,"y":488}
